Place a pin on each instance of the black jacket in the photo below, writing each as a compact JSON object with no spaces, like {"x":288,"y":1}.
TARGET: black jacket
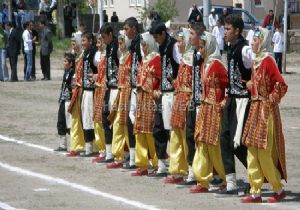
{"x":14,"y":43}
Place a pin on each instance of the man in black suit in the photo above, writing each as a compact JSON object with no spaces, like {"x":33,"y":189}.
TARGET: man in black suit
{"x":13,"y":50}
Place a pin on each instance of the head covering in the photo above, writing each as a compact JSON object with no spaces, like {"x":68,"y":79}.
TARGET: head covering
{"x":212,"y":49}
{"x":168,"y":24}
{"x":127,"y":45}
{"x":125,"y":38}
{"x":147,"y":38}
{"x":264,"y":36}
{"x":212,"y":10}
{"x":187,"y":56}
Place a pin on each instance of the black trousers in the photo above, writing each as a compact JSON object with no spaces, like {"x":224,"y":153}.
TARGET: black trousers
{"x":278,"y":58}
{"x":131,"y":136}
{"x":190,"y":130}
{"x":160,"y":134}
{"x":13,"y":60}
{"x":61,"y":120}
{"x":227,"y":135}
{"x":45,"y":65}
{"x":105,"y":121}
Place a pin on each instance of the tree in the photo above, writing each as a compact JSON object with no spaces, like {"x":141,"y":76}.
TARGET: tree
{"x":166,"y":9}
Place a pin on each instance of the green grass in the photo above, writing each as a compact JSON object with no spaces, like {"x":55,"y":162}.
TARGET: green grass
{"x":61,"y":44}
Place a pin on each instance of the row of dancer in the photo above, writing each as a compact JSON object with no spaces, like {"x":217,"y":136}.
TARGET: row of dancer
{"x":139,"y":92}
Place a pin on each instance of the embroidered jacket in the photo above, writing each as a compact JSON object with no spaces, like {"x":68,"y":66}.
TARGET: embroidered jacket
{"x":267,"y":89}
{"x":208,"y":123}
{"x":148,"y":80}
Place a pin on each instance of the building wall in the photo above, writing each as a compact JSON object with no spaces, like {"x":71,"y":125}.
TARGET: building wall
{"x":123,"y":8}
{"x":185,"y":5}
{"x":260,"y":12}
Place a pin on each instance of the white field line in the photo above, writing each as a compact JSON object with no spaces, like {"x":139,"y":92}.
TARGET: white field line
{"x":7,"y":207}
{"x":47,"y":149}
{"x":59,"y":181}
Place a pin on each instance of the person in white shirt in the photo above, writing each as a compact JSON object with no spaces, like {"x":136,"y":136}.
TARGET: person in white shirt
{"x":218,"y":32}
{"x":250,"y":33}
{"x":212,"y":19}
{"x":278,"y":47}
{"x":27,"y":39}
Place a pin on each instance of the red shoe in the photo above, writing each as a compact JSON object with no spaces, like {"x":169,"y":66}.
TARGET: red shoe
{"x":173,"y":180}
{"x":72,"y":154}
{"x":198,"y":189}
{"x":277,"y":197}
{"x":251,"y":199}
{"x":114,"y":165}
{"x":97,"y":159}
{"x":140,"y":172}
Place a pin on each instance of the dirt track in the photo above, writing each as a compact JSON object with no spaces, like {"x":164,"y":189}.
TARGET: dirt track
{"x":28,"y":112}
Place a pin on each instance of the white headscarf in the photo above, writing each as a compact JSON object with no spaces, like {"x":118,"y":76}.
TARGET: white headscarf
{"x":211,"y":46}
{"x":265,"y":39}
{"x":187,"y":56}
{"x":127,"y":45}
{"x":148,"y":39}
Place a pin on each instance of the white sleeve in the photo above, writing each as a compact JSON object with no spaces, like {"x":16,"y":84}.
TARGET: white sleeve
{"x":247,"y":56}
{"x":176,"y":55}
{"x":214,"y":31}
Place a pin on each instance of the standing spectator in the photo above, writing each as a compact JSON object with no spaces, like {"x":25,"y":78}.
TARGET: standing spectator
{"x":212,"y":19}
{"x":68,"y":16}
{"x":4,"y":14}
{"x":44,"y":9}
{"x":269,"y":20}
{"x":250,"y":34}
{"x":34,"y":33}
{"x":78,"y":34}
{"x":224,"y":15}
{"x":114,"y":18}
{"x":194,"y":14}
{"x":3,"y":68}
{"x":13,"y":50}
{"x":278,"y":47}
{"x":27,"y":39}
{"x":105,"y":17}
{"x":218,"y":32}
{"x":46,"y":49}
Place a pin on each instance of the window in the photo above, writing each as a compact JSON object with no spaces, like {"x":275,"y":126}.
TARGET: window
{"x":105,"y":3}
{"x":257,"y":2}
{"x":139,"y":3}
{"x":132,"y":2}
{"x":111,"y":3}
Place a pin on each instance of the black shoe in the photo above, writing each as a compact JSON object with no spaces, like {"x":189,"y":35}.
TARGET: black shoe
{"x":186,"y":183}
{"x":60,"y":149}
{"x":216,"y":182}
{"x":127,"y":167}
{"x":43,"y":78}
{"x":106,"y":161}
{"x":227,"y":193}
{"x":156,"y":175}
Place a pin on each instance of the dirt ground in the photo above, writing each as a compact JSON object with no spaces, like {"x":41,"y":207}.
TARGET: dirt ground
{"x":33,"y":178}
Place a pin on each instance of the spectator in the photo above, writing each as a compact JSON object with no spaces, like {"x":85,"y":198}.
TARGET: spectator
{"x":33,"y":33}
{"x":68,"y":16}
{"x":212,"y":19}
{"x":46,"y":49}
{"x":27,"y":39}
{"x":44,"y":9}
{"x":250,"y":34}
{"x":218,"y":32}
{"x":194,"y":14}
{"x":278,"y":47}
{"x":269,"y":22}
{"x":114,"y":18}
{"x":3,"y":67}
{"x":105,"y":17}
{"x":224,"y":15}
{"x":4,"y":14}
{"x":13,"y":50}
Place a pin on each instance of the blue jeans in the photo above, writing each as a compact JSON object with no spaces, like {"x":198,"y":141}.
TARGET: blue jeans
{"x":3,"y":66}
{"x":29,"y":63}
